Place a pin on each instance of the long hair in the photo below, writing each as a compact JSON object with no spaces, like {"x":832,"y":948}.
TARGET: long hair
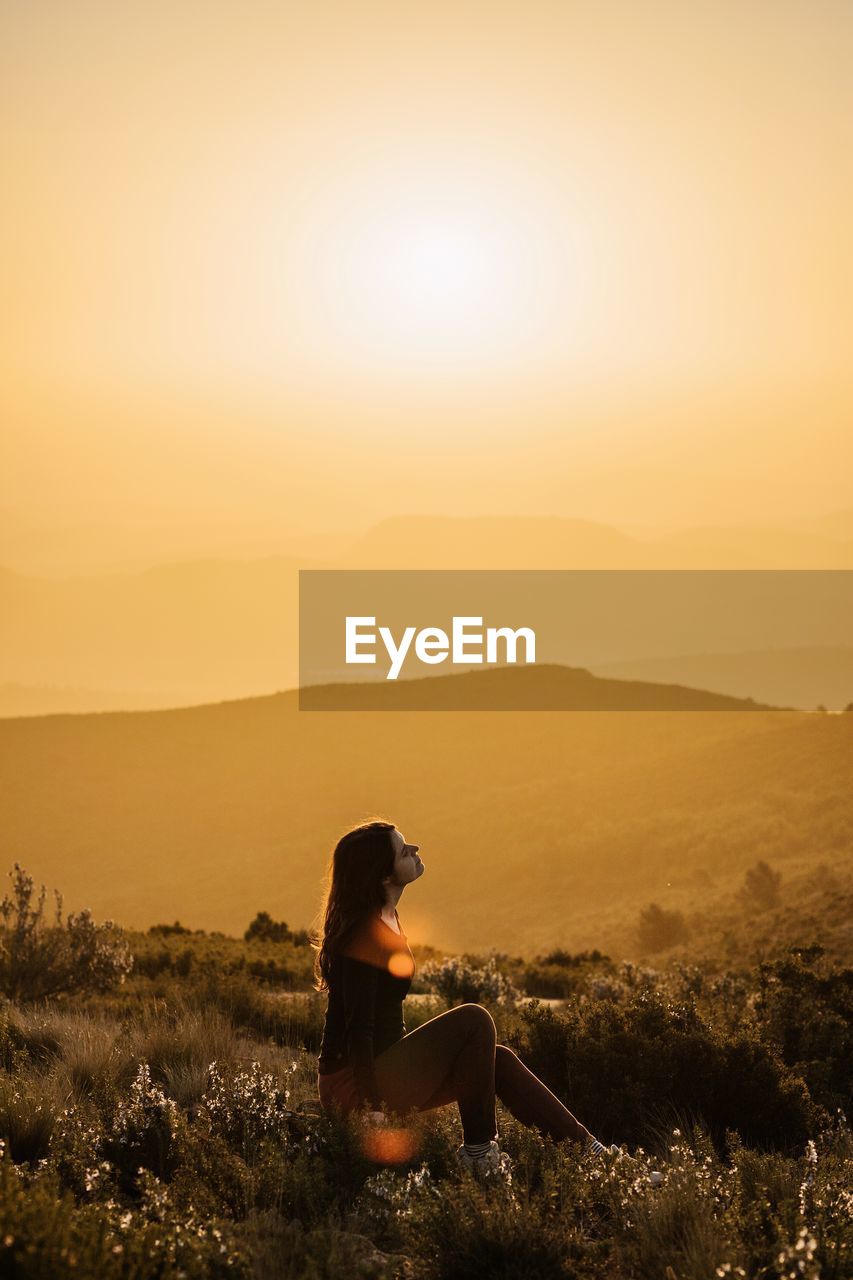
{"x":354,"y":890}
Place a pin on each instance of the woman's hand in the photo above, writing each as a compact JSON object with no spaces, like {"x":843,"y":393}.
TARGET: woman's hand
{"x":375,"y":1117}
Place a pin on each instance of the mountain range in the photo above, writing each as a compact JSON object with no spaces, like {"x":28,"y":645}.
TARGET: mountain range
{"x":200,"y":630}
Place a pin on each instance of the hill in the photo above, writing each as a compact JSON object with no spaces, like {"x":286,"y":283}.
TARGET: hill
{"x":801,"y":678}
{"x":543,"y":687}
{"x":203,"y":629}
{"x":537,"y":829}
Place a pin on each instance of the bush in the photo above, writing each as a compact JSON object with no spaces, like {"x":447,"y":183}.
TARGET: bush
{"x":761,"y":886}
{"x":470,"y":1234}
{"x":461,"y":982}
{"x":143,"y":1132}
{"x":264,"y":929}
{"x":247,"y":1107}
{"x":660,"y":928}
{"x":38,"y":959}
{"x":124,"y":1185}
{"x":560,"y":974}
{"x":45,"y":1235}
{"x":805,"y":1008}
{"x":627,"y":1070}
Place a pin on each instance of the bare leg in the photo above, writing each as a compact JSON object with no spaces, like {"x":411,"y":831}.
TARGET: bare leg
{"x":450,"y":1058}
{"x":454,"y":1058}
{"x":531,"y":1101}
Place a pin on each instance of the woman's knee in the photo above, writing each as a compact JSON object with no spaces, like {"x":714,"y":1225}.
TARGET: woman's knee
{"x":504,"y":1059}
{"x":477,"y":1019}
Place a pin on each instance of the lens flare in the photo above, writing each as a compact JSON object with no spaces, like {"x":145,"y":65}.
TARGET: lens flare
{"x":390,"y":1146}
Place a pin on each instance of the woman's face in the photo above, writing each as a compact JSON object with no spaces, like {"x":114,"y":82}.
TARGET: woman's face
{"x":407,"y":862}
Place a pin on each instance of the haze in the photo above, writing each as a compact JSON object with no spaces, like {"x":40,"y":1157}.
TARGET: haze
{"x":276,"y":270}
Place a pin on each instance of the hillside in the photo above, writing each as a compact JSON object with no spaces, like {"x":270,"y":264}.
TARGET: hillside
{"x":537,"y":829}
{"x":801,"y":678}
{"x":543,"y":687}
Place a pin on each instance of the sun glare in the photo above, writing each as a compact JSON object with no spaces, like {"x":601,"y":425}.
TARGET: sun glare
{"x":434,"y":284}
{"x":435,"y":265}
{"x":417,"y":280}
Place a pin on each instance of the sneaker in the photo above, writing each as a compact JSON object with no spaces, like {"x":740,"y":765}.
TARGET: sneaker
{"x":493,"y":1163}
{"x":615,"y":1152}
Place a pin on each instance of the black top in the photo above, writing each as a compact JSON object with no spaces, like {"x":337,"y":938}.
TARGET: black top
{"x":369,"y":981}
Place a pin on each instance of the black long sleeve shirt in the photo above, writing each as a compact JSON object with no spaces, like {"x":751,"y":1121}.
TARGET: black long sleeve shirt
{"x":369,"y":981}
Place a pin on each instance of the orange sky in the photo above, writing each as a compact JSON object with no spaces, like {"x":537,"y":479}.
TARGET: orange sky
{"x":319,"y":264}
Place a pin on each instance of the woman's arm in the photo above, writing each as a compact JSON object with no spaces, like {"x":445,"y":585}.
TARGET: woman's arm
{"x":358,"y":988}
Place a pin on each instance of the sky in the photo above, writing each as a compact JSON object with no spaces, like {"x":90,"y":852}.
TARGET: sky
{"x":314,"y":265}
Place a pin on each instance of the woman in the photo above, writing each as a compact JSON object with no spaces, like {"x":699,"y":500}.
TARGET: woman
{"x":366,"y":1056}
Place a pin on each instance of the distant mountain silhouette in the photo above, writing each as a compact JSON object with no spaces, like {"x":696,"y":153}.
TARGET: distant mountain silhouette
{"x":39,"y":700}
{"x":200,"y":630}
{"x":759,"y":547}
{"x":803,"y":678}
{"x":492,"y":542}
{"x":546,"y":542}
{"x":544,"y":687}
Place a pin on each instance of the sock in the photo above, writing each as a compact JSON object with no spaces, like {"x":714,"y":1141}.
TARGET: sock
{"x":596,"y":1147}
{"x":476,"y":1149}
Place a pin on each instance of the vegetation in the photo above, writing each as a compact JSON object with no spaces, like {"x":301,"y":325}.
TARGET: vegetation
{"x":265,"y":929}
{"x":761,"y":886}
{"x":41,"y":959}
{"x":660,"y":929}
{"x":166,"y":1125}
{"x":463,"y":981}
{"x":567,"y":826}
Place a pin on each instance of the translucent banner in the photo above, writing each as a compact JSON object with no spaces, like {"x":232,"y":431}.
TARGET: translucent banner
{"x":494,"y":640}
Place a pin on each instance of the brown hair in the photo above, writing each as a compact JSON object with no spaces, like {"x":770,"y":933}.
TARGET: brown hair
{"x":354,"y":891}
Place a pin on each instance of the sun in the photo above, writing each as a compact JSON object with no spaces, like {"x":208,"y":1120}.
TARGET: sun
{"x":434,"y":280}
{"x":409,"y":276}
{"x":439,"y":266}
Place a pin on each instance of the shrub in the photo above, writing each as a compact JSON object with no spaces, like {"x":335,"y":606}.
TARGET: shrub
{"x":660,"y":928}
{"x":38,"y":959}
{"x":168,"y":930}
{"x":247,"y":1107}
{"x":473,"y":1233}
{"x":761,"y":886}
{"x":143,"y":1131}
{"x":560,"y":974}
{"x":805,"y":1008}
{"x":572,"y":959}
{"x":264,"y":929}
{"x":627,"y":1069}
{"x":44,"y":1235}
{"x":461,"y":982}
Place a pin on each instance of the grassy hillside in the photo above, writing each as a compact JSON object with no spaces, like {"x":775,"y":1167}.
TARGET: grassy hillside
{"x":537,"y":829}
{"x":169,"y":1125}
{"x":802,"y":678}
